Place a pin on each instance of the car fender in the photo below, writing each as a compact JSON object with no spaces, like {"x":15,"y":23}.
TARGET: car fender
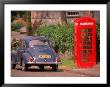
{"x":25,"y":57}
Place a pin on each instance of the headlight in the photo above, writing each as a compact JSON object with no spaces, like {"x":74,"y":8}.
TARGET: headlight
{"x":34,"y":57}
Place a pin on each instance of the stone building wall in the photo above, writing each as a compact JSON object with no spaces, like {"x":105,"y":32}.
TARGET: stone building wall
{"x":45,"y":17}
{"x":55,"y":17}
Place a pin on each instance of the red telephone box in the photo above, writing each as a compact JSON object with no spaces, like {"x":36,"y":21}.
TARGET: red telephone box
{"x":85,"y":42}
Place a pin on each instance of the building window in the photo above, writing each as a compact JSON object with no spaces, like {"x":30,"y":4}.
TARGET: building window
{"x":71,"y":14}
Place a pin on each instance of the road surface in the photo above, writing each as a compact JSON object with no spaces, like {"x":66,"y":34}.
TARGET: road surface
{"x":47,"y":72}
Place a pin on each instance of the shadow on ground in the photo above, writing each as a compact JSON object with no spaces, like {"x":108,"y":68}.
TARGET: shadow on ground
{"x":38,"y":70}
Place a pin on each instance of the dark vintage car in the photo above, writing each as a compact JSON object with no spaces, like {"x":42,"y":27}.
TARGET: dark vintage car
{"x":34,"y":50}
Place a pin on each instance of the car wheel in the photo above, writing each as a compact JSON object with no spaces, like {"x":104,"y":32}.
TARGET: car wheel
{"x":55,"y":67}
{"x":41,"y":67}
{"x":24,"y":66}
{"x":13,"y":66}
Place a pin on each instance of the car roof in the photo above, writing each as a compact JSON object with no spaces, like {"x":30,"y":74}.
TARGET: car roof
{"x":29,"y":38}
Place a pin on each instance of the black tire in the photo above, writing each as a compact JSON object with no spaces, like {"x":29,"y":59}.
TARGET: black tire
{"x":55,"y":67}
{"x":13,"y":66}
{"x":24,"y":66}
{"x":41,"y":67}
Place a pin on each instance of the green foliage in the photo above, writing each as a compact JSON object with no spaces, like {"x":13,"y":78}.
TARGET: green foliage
{"x":60,"y":35}
{"x":68,"y":63}
{"x":16,"y":26}
{"x":29,"y":27}
{"x":30,"y":31}
{"x":14,"y":44}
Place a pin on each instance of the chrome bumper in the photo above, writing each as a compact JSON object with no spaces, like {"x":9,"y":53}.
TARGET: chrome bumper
{"x":43,"y":63}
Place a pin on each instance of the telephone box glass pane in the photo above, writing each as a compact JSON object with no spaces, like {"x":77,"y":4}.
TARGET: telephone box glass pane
{"x":86,"y":44}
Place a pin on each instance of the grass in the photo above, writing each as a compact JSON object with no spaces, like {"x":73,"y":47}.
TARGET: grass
{"x":67,"y":63}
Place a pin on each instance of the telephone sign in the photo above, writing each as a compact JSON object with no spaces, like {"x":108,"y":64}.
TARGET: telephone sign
{"x":85,"y":42}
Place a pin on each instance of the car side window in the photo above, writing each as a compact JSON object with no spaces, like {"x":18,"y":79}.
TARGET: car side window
{"x":24,"y":44}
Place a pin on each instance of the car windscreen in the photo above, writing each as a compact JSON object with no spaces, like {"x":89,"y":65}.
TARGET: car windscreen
{"x":37,"y":42}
